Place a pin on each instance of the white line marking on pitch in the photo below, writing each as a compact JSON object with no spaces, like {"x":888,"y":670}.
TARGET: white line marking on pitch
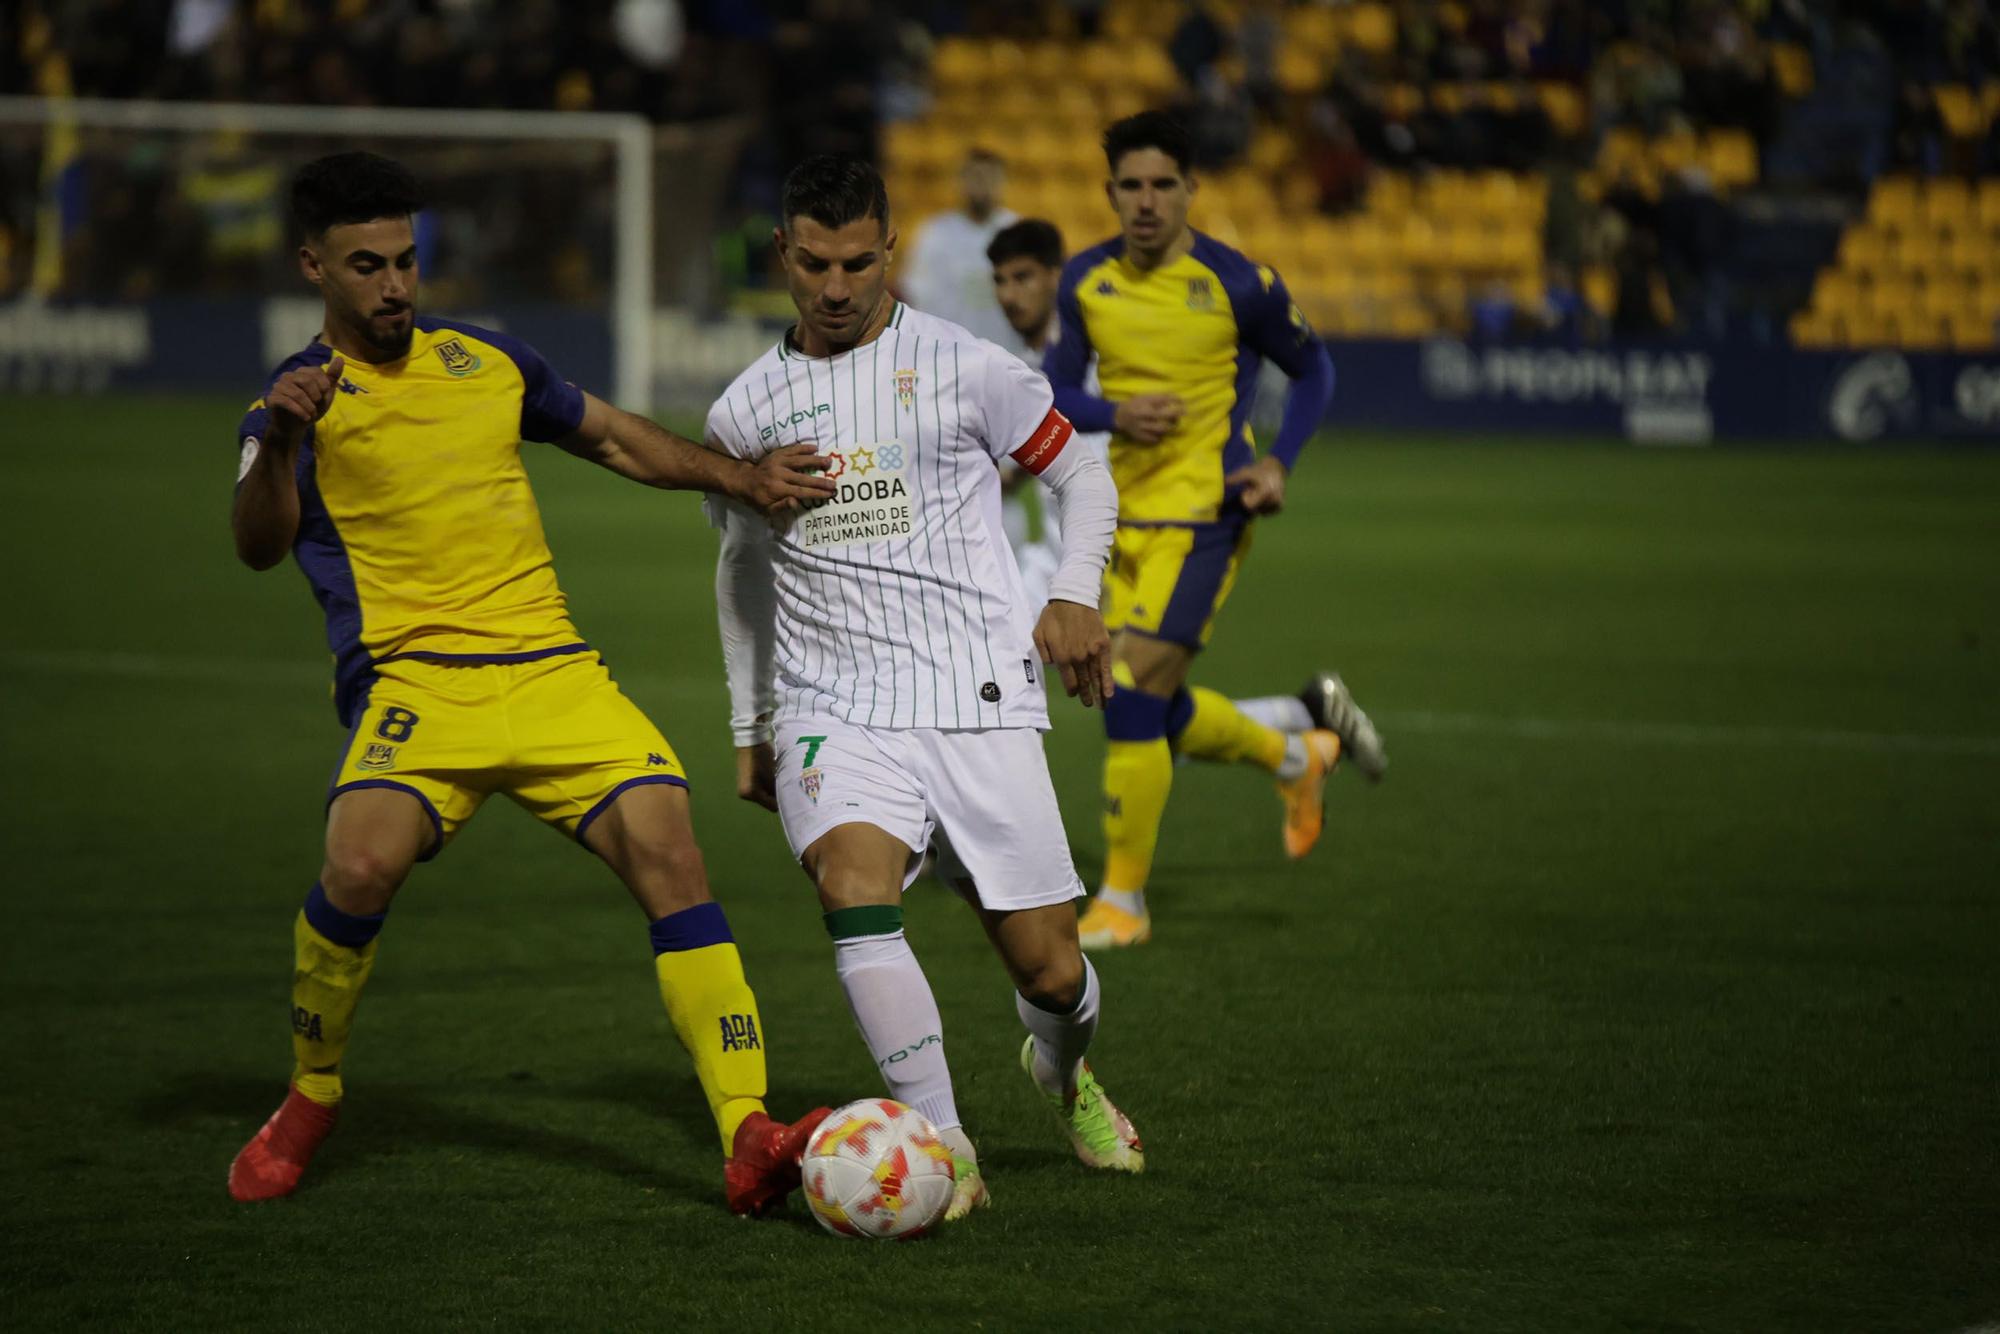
{"x":178,"y":667}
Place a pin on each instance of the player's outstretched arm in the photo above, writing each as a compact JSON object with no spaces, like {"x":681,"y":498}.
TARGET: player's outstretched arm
{"x":265,"y":516}
{"x":644,"y":451}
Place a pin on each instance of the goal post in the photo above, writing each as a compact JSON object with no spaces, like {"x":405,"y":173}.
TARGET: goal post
{"x":595,"y":177}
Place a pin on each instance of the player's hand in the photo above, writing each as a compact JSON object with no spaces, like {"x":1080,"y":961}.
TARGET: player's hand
{"x":786,"y":478}
{"x":1148,"y":418}
{"x":757,"y":775}
{"x":1263,"y":484}
{"x":300,"y":398}
{"x":1071,"y":638}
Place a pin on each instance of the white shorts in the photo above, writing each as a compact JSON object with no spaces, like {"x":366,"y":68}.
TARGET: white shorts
{"x":983,"y":799}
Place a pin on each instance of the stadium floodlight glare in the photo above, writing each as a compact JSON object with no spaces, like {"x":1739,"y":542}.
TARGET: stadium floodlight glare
{"x":629,"y":139}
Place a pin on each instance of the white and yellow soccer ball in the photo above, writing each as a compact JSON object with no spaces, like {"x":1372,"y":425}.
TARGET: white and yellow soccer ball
{"x":875,"y":1168}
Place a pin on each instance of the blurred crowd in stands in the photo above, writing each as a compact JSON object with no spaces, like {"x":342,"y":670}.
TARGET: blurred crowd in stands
{"x":825,"y":74}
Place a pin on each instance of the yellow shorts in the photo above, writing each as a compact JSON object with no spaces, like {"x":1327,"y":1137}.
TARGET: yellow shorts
{"x":555,"y":734}
{"x":1168,"y":582}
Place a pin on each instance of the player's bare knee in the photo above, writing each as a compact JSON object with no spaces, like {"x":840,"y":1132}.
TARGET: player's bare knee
{"x":360,"y":878}
{"x":1052,"y":981}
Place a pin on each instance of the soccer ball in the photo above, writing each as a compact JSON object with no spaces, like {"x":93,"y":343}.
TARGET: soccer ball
{"x":877,"y":1169}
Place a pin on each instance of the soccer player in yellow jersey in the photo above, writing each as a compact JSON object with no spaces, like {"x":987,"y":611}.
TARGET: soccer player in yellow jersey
{"x":386,"y":457}
{"x":1180,"y":325}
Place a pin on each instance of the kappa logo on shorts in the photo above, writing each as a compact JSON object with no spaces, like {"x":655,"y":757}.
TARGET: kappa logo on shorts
{"x":457,"y":361}
{"x":378,"y":756}
{"x":655,"y":759}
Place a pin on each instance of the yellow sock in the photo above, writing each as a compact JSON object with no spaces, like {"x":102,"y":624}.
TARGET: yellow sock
{"x":715,"y":1014}
{"x":1137,"y":778}
{"x":326,"y":987}
{"x":1217,"y":730}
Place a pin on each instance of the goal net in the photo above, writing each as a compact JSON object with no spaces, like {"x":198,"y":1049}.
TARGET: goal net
{"x":144,"y":245}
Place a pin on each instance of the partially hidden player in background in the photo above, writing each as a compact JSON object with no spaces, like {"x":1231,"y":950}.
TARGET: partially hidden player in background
{"x":1180,"y":325}
{"x":944,"y":270}
{"x":882,"y":658}
{"x":386,"y":458}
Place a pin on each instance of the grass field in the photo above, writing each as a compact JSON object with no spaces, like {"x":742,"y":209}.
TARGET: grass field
{"x":1656,"y":989}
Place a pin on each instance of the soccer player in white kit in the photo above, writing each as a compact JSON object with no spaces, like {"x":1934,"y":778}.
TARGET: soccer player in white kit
{"x":946,"y":274}
{"x":884,"y":667}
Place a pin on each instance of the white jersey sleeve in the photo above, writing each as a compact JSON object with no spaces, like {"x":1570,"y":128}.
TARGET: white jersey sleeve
{"x":1015,"y":403}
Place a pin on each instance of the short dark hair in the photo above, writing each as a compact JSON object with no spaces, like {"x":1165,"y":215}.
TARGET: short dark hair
{"x":1149,"y":129}
{"x":834,"y":189}
{"x":1030,"y":238}
{"x":351,"y":187}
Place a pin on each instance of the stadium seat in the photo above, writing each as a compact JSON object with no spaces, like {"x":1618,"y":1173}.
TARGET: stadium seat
{"x":1730,"y":157}
{"x":1972,"y":331}
{"x":1372,"y":27}
{"x":1947,"y":203}
{"x":1961,"y":110}
{"x":1894,"y":202}
{"x":1793,"y":66}
{"x":1565,"y":107}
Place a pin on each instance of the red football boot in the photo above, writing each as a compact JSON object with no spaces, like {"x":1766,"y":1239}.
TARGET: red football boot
{"x":764,"y":1166}
{"x":276,"y":1156}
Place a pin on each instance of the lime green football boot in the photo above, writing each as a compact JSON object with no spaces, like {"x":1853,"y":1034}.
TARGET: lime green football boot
{"x":968,"y":1190}
{"x":1097,"y":1130}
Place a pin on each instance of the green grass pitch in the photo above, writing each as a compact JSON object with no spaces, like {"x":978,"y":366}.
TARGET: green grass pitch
{"x":1655,"y":989}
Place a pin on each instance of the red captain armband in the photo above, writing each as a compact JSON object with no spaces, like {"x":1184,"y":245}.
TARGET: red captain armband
{"x":1045,"y":443}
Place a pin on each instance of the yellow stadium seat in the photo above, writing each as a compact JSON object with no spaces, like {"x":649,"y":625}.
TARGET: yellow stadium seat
{"x":1672,"y":152}
{"x":1894,"y":202}
{"x":1565,"y":108}
{"x":1410,"y":319}
{"x":1948,"y":203}
{"x":1794,"y":69}
{"x":1313,"y":28}
{"x":1887,"y":298}
{"x":1960,"y":109}
{"x":1864,"y":248}
{"x":1972,"y":331}
{"x":1730,"y":157}
{"x":1836,"y":292}
{"x":1813,"y":330}
{"x":1986,"y":206}
{"x":959,"y":61}
{"x":1415,"y":244}
{"x":1970,"y":251}
{"x":1372,"y":27}
{"x":1301,"y":70}
{"x":1600,"y":289}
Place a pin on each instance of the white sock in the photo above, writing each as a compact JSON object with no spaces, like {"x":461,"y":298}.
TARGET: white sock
{"x":1287,"y":713}
{"x":898,"y":1018}
{"x":958,"y":1142}
{"x":1062,"y":1039}
{"x":1295,"y":761}
{"x":1131,"y":900}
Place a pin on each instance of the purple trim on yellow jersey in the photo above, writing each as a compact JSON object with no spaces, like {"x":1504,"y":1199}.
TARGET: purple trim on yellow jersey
{"x":322,"y":556}
{"x":486,"y":659}
{"x":437,"y":821}
{"x":604,"y":803}
{"x":1067,"y":361}
{"x":551,"y":407}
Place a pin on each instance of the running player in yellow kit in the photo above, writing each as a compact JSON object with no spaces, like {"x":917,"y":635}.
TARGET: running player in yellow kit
{"x":386,"y":458}
{"x":1180,"y":325}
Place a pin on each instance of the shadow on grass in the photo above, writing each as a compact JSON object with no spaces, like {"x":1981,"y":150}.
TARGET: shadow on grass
{"x":386,"y":1119}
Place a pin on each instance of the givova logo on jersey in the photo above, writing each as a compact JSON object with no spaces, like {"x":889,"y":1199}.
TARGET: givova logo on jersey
{"x":874,"y":503}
